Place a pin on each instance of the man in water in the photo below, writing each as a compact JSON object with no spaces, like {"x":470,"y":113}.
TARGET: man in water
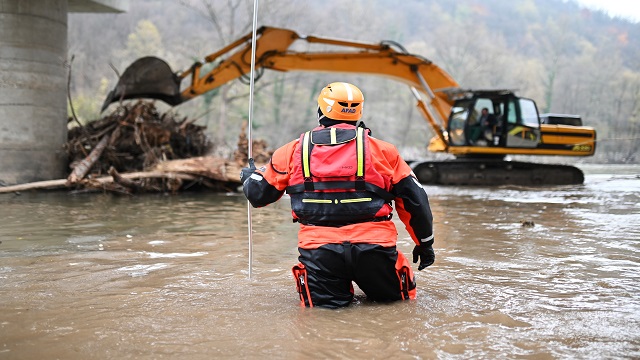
{"x":342,"y":183}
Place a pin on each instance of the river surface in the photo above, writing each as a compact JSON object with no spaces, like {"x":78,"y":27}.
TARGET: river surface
{"x":100,"y":276}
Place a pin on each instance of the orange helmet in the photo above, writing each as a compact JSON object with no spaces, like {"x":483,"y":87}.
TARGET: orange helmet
{"x":341,"y":101}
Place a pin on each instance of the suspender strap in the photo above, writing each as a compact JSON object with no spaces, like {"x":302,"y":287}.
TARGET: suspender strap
{"x":360,"y":184}
{"x":360,"y":152}
{"x":306,"y":163}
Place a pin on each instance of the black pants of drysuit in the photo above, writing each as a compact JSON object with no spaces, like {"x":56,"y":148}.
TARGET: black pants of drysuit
{"x":332,"y":268}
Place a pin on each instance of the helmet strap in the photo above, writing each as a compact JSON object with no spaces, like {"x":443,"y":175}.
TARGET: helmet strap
{"x":320,"y":115}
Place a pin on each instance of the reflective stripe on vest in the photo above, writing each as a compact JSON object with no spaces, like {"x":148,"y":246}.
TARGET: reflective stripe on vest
{"x":360,"y":152}
{"x":306,"y":168}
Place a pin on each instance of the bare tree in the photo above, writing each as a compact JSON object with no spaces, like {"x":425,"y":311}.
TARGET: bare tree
{"x":555,"y":44}
{"x":230,"y":20}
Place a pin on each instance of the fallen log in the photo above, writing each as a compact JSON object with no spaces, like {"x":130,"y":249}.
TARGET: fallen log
{"x":212,"y":172}
{"x":47,"y":184}
{"x":95,"y":183}
{"x":207,"y":166}
{"x":83,"y":167}
{"x":123,"y":183}
{"x":133,"y":186}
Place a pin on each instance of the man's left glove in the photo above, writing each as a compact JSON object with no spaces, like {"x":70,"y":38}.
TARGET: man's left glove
{"x":425,"y":253}
{"x":246,"y":172}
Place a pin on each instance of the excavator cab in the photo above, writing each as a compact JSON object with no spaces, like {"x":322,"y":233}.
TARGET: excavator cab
{"x":486,"y":125}
{"x":494,"y":118}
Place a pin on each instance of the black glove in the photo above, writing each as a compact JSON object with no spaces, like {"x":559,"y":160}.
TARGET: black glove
{"x":424,"y":251}
{"x":246,"y":172}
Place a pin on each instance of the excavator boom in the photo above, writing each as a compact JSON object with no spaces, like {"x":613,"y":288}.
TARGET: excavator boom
{"x":150,"y":77}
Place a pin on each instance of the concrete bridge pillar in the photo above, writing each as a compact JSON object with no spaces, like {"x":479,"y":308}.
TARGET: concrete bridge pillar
{"x":33,"y":85}
{"x":33,"y":88}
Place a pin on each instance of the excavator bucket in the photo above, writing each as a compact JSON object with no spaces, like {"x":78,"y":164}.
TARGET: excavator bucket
{"x":147,"y":77}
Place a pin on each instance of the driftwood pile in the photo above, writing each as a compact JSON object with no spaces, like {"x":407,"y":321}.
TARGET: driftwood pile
{"x":134,"y":137}
{"x":136,"y":149}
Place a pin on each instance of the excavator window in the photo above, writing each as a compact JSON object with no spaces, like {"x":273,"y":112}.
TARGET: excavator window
{"x":529,"y":113}
{"x":484,"y":103}
{"x":512,"y":113}
{"x":523,"y":124}
{"x":458,"y":121}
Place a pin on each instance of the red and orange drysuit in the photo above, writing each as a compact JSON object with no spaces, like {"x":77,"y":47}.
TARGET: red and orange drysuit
{"x":342,"y":183}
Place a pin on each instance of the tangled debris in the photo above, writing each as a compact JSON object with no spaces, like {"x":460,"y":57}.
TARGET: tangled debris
{"x":136,"y":149}
{"x":136,"y":137}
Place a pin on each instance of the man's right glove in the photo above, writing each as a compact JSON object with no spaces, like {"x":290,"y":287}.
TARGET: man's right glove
{"x":246,"y":172}
{"x":425,"y":253}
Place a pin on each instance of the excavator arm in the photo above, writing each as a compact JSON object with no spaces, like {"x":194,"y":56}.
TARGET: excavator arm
{"x":151,"y":77}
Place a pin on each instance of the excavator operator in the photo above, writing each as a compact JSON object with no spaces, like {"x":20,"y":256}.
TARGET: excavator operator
{"x":342,"y":183}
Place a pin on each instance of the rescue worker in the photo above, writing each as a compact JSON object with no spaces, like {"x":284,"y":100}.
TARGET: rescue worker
{"x":342,"y":182}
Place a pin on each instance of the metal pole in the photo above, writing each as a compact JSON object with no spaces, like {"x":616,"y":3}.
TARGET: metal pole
{"x":250,"y":149}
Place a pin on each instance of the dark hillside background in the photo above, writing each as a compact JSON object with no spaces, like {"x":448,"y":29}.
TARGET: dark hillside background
{"x":567,"y":58}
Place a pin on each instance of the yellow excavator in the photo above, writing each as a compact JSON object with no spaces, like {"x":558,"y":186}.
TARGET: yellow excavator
{"x":478,"y":127}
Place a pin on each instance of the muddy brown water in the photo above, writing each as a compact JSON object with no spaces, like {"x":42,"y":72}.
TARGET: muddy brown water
{"x":166,"y":277}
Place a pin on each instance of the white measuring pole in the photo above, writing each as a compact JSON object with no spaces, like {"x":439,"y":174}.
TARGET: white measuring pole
{"x":250,"y":149}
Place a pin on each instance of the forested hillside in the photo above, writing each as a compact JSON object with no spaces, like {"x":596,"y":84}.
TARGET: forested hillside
{"x":568,"y":59}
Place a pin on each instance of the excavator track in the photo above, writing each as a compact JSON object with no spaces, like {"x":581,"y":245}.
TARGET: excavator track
{"x":495,"y":172}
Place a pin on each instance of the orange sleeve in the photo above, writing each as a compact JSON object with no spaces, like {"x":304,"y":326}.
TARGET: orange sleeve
{"x":388,"y":161}
{"x":276,"y":172}
{"x":411,"y":202}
